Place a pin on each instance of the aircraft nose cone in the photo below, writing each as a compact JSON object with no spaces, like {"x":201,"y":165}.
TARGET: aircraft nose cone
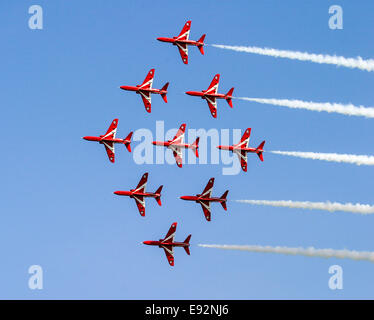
{"x":163,"y":39}
{"x":188,"y":92}
{"x":116,"y":192}
{"x":146,"y":242}
{"x":154,"y":142}
{"x":183,"y":197}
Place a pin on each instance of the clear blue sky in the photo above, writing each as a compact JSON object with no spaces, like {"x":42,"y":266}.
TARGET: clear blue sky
{"x":57,"y":208}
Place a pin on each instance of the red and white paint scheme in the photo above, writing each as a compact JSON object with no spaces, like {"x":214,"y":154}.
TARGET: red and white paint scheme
{"x":168,"y":244}
{"x":205,"y":198}
{"x":211,"y":95}
{"x":182,"y":42}
{"x":109,"y":139}
{"x":145,"y":90}
{"x":139,"y":194}
{"x":241,"y":149}
{"x":177,"y":144}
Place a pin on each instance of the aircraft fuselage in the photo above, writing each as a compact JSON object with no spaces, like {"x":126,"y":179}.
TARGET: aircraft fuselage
{"x":204,"y":95}
{"x":198,"y":198}
{"x":137,"y":89}
{"x":101,"y":140}
{"x":133,"y":193}
{"x":174,"y":41}
{"x":161,"y":243}
{"x":240,"y":149}
{"x":169,"y":143}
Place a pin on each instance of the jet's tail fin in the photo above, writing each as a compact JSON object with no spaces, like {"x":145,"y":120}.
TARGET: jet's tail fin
{"x":127,"y":141}
{"x":195,"y":146}
{"x":200,"y":46}
{"x":259,"y":150}
{"x":187,"y":241}
{"x":229,"y":97}
{"x":165,"y":88}
{"x":158,"y":198}
{"x":224,"y":199}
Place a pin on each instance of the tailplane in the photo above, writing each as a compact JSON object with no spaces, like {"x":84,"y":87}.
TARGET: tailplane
{"x":163,"y":95}
{"x":200,"y":46}
{"x":127,"y":141}
{"x":259,"y":150}
{"x":187,"y":248}
{"x":229,"y":97}
{"x":260,"y":156}
{"x":158,"y":198}
{"x":195,"y":146}
{"x":223,"y":198}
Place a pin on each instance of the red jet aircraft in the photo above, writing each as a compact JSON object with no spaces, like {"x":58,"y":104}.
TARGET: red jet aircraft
{"x":241,"y":149}
{"x":109,"y":139}
{"x":168,"y":244}
{"x":182,"y":42}
{"x":139,"y":194}
{"x":177,"y":144}
{"x":210,"y":95}
{"x":145,"y":90}
{"x":206,"y":198}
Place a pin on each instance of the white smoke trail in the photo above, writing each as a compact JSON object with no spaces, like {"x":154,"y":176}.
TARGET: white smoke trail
{"x":328,"y":206}
{"x":308,"y":252}
{"x":346,"y":109}
{"x":331,"y":157}
{"x":367,"y":65}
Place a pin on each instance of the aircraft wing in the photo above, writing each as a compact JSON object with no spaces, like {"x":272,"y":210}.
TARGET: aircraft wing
{"x":185,"y":33}
{"x":139,"y":200}
{"x":171,"y":233}
{"x":208,"y":189}
{"x":177,"y":153}
{"x":179,"y":137}
{"x":244,"y":141}
{"x":213,"y":87}
{"x":169,"y":254}
{"x":142,"y":183}
{"x":109,"y":147}
{"x":112,"y":130}
{"x":146,"y":97}
{"x":148,"y":81}
{"x":205,"y":205}
{"x":183,"y":51}
{"x":242,"y":155}
{"x":212,"y":103}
